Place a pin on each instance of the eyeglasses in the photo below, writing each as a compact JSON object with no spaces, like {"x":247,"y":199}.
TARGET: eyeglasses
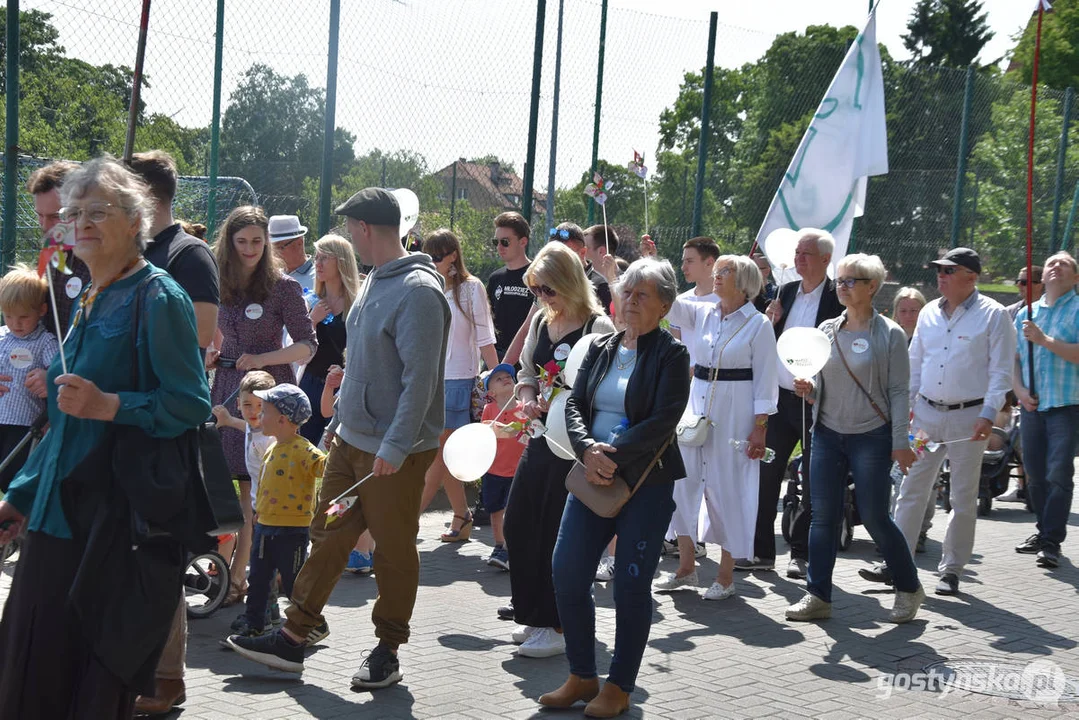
{"x":288,"y":243}
{"x":724,"y":271}
{"x":538,"y":290}
{"x":850,"y":282}
{"x":504,"y":242}
{"x":559,"y":234}
{"x":96,"y":213}
{"x":320,"y":258}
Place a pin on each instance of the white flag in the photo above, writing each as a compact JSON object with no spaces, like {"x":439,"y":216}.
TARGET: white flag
{"x":824,"y":186}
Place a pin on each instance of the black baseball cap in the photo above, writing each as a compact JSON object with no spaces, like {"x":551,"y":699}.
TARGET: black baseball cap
{"x":374,"y":206}
{"x":961,"y":256}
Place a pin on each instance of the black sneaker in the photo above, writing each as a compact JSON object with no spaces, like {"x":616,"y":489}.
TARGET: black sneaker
{"x":272,"y":650}
{"x":505,"y":612}
{"x":379,"y":669}
{"x":1030,"y":546}
{"x":1049,"y":557}
{"x":244,"y":627}
{"x":318,"y":633}
{"x":878,"y":573}
{"x":948,"y":585}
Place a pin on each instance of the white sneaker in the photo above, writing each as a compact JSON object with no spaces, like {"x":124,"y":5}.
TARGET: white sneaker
{"x":605,"y":570}
{"x":1012,"y":493}
{"x":544,"y":642}
{"x":719,"y":592}
{"x":700,"y":551}
{"x":522,"y":633}
{"x":810,"y":607}
{"x":669,"y":581}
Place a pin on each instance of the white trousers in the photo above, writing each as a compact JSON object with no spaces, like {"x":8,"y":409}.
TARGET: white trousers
{"x":688,"y":496}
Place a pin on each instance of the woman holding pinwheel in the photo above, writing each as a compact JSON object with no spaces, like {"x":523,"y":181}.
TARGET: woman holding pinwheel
{"x":537,"y":498}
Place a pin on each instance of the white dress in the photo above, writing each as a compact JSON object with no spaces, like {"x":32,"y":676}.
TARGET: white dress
{"x":731,"y":481}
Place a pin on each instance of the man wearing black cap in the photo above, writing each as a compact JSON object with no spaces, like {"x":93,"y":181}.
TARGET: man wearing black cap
{"x":389,"y":415}
{"x":961,"y":359}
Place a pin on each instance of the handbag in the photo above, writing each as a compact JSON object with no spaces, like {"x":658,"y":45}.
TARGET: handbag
{"x":178,"y":486}
{"x":692,"y":429}
{"x":607,"y":500}
{"x":876,"y":408}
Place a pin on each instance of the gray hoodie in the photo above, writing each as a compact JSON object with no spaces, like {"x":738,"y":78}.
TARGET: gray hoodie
{"x":391,"y":401}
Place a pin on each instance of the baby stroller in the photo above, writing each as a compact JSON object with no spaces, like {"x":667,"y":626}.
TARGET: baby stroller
{"x":206,"y":582}
{"x":1000,"y":460}
{"x":792,"y":503}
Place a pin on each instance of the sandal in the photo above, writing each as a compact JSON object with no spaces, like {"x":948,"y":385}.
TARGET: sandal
{"x":462,"y":534}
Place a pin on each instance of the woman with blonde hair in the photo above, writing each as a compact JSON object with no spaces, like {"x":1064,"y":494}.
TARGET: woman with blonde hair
{"x":537,"y":497}
{"x":906,"y":306}
{"x":258,"y":300}
{"x":337,"y":283}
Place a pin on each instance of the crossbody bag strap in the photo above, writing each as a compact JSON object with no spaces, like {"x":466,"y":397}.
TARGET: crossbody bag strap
{"x":648,"y":470}
{"x":136,"y":317}
{"x":712,"y":390}
{"x":880,"y":413}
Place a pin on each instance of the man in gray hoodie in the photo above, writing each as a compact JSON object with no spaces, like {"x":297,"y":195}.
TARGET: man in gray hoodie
{"x":389,"y":415}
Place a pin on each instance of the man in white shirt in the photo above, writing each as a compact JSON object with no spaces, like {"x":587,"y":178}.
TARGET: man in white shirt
{"x":961,"y":359}
{"x":287,"y":238}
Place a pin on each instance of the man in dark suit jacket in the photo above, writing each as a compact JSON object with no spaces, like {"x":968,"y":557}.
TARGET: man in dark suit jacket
{"x":804,"y":303}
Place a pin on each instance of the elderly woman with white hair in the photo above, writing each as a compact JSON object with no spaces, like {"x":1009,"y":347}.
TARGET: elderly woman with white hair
{"x":626,"y":401}
{"x":735,"y":391}
{"x":93,"y":595}
{"x":861,"y":409}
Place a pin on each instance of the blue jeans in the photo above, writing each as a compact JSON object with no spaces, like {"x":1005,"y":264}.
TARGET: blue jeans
{"x":313,"y":428}
{"x":273,"y":550}
{"x":868,"y":457}
{"x":1049,"y":444}
{"x":582,"y":537}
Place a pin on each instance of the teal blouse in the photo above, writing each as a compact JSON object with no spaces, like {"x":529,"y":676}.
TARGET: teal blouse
{"x":175,"y":395}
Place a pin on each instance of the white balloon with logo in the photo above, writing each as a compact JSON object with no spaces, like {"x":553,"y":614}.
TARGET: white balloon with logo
{"x":410,"y":209}
{"x":470,"y":451}
{"x":576,"y":357}
{"x":804,"y":351}
{"x":557,"y":437}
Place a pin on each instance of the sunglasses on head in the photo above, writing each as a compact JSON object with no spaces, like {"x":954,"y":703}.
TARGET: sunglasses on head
{"x":504,"y":242}
{"x":539,"y":290}
{"x":559,"y":234}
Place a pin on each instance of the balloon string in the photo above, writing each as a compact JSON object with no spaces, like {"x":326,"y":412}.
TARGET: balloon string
{"x":359,"y":482}
{"x":56,"y":318}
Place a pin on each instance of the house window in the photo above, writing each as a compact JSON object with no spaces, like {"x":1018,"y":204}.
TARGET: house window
{"x":462,"y":193}
{"x":514,"y":199}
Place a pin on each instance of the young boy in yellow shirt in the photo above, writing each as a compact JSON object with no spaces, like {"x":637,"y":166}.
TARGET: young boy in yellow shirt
{"x":285,"y":503}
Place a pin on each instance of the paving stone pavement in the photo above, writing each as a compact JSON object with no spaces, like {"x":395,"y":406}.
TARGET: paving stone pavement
{"x":735,"y":658}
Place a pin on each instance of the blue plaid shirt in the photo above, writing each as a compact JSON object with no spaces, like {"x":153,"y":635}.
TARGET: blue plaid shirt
{"x":1055,"y":379}
{"x":18,"y":356}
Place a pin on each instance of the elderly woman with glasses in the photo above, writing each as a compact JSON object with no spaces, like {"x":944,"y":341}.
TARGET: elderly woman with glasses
{"x":735,"y":391}
{"x":538,"y":493}
{"x":93,"y":599}
{"x":628,"y":396}
{"x":860,"y":414}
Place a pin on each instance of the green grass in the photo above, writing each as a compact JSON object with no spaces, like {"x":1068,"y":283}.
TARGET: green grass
{"x":999,"y":288}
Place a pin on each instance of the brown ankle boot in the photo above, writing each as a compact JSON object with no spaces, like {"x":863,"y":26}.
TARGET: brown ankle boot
{"x":611,"y":702}
{"x":167,"y":695}
{"x":574,"y":689}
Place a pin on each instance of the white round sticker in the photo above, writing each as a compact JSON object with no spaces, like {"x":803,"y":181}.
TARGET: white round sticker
{"x":20,"y":358}
{"x":73,"y":287}
{"x":561,"y":352}
{"x":860,"y":345}
{"x":253,"y":311}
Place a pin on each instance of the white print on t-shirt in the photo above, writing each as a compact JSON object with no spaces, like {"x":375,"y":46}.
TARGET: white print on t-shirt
{"x":253,"y":311}
{"x":515,"y":290}
{"x":20,"y":358}
{"x":860,"y":345}
{"x":73,"y":287}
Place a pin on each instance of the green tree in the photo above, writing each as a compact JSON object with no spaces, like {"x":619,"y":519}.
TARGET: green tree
{"x":1058,"y":66}
{"x":947,"y":32}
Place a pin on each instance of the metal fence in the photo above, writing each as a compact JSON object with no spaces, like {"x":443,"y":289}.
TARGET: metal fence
{"x":437,"y":96}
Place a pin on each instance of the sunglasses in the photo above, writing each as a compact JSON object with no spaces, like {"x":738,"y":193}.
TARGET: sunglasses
{"x":850,"y":282}
{"x":950,"y":270}
{"x":560,"y":234}
{"x":504,"y":242}
{"x":435,"y":258}
{"x":538,"y":290}
{"x":1023,"y":283}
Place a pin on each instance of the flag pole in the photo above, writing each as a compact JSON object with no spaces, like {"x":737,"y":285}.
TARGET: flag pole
{"x":1030,"y":192}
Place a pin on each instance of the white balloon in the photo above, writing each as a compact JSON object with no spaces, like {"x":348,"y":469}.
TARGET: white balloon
{"x":556,"y":427}
{"x":804,"y":351}
{"x":779,"y":247}
{"x":410,"y":209}
{"x":469,"y":451}
{"x":576,"y":357}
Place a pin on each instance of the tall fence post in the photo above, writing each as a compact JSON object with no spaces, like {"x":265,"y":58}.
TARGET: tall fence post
{"x":554,"y":119}
{"x":1069,"y":100}
{"x":325,"y":188}
{"x":706,"y":112}
{"x":533,"y":112}
{"x":961,"y":165}
{"x":11,"y":138}
{"x":599,"y":104}
{"x":136,"y":82}
{"x":453,"y":195}
{"x":215,"y":124}
{"x":1065,"y":241}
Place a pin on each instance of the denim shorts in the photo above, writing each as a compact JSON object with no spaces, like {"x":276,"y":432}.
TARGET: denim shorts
{"x":458,"y":395}
{"x":496,"y":491}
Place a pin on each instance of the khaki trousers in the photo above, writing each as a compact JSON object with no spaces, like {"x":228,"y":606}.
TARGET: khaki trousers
{"x":171,"y":664}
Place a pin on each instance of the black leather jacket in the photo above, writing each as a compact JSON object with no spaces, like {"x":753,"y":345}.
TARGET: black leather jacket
{"x":656,"y":397}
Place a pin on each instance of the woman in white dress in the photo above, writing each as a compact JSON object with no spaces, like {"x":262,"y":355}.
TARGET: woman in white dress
{"x":737,"y":390}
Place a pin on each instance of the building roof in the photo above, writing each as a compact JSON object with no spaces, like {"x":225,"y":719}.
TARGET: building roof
{"x":497,"y":181}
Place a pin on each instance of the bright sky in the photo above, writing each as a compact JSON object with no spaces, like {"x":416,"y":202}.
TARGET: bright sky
{"x":452,"y":78}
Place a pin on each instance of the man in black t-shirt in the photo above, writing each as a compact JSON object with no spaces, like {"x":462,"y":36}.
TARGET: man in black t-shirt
{"x":506,"y":290}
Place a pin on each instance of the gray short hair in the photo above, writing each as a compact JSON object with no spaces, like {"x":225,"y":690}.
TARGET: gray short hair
{"x":824,"y":239}
{"x":658,"y":272}
{"x":747,"y":276}
{"x":907,"y":293}
{"x":108,"y":174}
{"x":867,"y":266}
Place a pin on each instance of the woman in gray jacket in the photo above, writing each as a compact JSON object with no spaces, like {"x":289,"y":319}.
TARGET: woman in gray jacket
{"x":861,"y":415}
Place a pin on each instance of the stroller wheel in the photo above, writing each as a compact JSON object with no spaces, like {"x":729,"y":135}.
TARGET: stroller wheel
{"x":206,"y":584}
{"x":788,"y":517}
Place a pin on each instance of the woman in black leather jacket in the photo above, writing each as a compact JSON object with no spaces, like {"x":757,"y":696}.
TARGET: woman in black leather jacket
{"x":630,"y":392}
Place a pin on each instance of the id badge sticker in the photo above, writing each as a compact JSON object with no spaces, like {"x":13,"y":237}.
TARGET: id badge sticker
{"x":73,"y":287}
{"x":253,"y":311}
{"x":860,"y":345}
{"x":20,"y":358}
{"x":561,"y":352}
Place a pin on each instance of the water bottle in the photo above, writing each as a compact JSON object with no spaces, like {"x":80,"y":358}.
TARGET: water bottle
{"x":314,"y":299}
{"x":617,"y":430}
{"x":743,"y":445}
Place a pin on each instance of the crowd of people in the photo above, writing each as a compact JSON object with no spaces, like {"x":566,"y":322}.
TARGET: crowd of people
{"x":336,"y":394}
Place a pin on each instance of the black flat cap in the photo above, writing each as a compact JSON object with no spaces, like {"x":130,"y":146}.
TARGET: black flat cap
{"x":374,"y":206}
{"x":961,"y":256}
